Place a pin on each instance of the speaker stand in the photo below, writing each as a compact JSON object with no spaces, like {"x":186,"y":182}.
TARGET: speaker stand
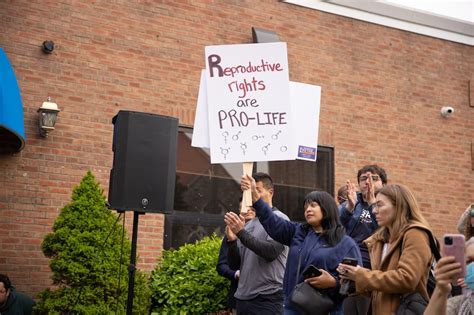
{"x":132,"y":267}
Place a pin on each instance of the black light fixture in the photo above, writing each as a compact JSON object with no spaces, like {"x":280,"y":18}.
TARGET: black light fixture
{"x":47,"y":47}
{"x":48,"y":113}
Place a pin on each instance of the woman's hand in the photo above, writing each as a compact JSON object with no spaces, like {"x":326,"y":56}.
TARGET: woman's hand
{"x":446,"y":272}
{"x":324,"y":281}
{"x":347,"y":271}
{"x":247,"y":182}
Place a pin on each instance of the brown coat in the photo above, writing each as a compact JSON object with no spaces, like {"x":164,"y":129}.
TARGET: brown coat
{"x":394,"y":276}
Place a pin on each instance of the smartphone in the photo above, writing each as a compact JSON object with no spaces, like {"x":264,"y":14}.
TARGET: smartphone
{"x":311,"y":271}
{"x":349,"y":261}
{"x":453,"y":245}
{"x":348,"y":286}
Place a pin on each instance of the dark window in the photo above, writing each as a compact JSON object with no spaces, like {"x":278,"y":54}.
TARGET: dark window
{"x":205,"y":192}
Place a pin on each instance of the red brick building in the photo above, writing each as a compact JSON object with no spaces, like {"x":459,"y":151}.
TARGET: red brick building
{"x":382,"y":91}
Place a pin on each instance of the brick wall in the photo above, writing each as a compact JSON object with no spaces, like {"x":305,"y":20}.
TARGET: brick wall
{"x":382,"y":90}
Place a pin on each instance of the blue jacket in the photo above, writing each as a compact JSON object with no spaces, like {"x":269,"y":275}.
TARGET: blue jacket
{"x":314,"y":249}
{"x":360,"y":224}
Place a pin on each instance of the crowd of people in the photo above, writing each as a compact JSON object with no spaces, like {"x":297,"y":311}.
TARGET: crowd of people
{"x":367,"y":251}
{"x":372,"y":249}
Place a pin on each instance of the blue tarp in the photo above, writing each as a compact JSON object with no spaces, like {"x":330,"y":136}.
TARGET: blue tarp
{"x":12,"y":130}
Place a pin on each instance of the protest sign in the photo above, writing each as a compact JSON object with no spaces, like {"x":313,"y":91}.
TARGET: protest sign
{"x":248,"y":103}
{"x":304,"y":103}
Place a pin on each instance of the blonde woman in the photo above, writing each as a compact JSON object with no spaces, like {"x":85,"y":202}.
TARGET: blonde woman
{"x":399,"y":252}
{"x":466,"y":222}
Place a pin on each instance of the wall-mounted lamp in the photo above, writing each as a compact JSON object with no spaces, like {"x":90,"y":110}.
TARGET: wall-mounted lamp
{"x":48,"y":113}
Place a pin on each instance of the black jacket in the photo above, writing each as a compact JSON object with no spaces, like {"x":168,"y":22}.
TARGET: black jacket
{"x":224,"y":270}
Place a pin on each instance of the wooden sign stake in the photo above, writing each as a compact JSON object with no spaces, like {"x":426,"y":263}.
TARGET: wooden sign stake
{"x":246,"y":195}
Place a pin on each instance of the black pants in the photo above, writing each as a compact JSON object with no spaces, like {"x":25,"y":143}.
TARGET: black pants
{"x":356,"y":305}
{"x":270,"y":304}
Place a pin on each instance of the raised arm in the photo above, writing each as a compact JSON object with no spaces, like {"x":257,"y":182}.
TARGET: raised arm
{"x":344,"y":214}
{"x":267,"y":248}
{"x":346,"y":209}
{"x":277,"y":227}
{"x":446,"y":271}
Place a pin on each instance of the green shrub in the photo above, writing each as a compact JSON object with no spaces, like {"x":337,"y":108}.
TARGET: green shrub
{"x":85,"y":249}
{"x":186,"y":281}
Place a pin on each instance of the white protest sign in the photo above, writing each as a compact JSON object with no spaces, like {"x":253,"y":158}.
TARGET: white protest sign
{"x":201,"y":123}
{"x":305,"y":100}
{"x":305,"y":106}
{"x":248,"y":99}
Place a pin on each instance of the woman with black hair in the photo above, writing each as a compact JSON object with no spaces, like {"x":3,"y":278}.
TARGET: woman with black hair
{"x":320,"y":242}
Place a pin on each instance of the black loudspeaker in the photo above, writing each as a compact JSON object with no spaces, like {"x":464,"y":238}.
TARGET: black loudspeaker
{"x":144,"y":169}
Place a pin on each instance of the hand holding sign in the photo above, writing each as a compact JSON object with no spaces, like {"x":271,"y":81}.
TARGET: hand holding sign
{"x":247,"y":183}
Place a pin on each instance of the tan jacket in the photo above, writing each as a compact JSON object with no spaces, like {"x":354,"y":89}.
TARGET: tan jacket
{"x":394,"y":276}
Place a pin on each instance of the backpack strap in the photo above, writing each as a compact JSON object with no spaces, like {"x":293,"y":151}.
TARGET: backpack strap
{"x":434,"y":245}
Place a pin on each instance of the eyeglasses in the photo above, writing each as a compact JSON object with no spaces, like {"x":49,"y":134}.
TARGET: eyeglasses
{"x":364,"y":178}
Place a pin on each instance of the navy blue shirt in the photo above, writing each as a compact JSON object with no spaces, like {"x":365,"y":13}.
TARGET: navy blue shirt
{"x":224,"y":270}
{"x":360,"y":224}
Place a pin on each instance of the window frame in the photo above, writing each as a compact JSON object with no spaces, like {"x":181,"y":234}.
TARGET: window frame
{"x":210,"y":220}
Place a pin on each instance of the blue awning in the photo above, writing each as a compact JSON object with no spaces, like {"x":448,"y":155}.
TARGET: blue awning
{"x":12,"y":130}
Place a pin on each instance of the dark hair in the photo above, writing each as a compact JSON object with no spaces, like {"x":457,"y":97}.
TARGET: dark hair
{"x":333,"y":229}
{"x":342,"y":191}
{"x":6,"y":281}
{"x":264,"y":178}
{"x":374,"y":169}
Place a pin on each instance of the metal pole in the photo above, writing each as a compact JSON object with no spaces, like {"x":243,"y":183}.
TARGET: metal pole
{"x":131,"y":267}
